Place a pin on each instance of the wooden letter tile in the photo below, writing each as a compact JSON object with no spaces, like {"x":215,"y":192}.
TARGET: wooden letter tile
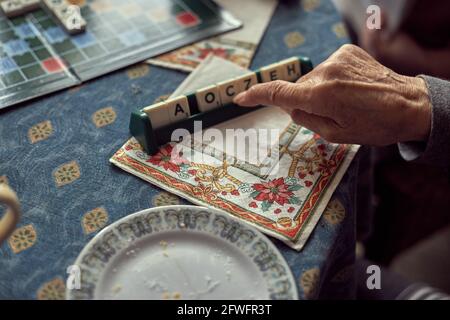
{"x":271,"y":73}
{"x":208,"y":98}
{"x":12,"y":8}
{"x":247,"y":81}
{"x":178,"y":108}
{"x":158,"y":114}
{"x":291,"y":69}
{"x":228,"y":90}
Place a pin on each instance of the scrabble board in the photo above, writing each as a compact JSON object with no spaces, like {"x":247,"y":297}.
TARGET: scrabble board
{"x":37,"y":56}
{"x":152,"y":126}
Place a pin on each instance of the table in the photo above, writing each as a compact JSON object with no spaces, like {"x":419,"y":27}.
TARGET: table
{"x":54,"y":152}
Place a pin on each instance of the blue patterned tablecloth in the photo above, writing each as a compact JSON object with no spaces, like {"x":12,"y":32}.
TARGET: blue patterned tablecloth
{"x":54,"y":152}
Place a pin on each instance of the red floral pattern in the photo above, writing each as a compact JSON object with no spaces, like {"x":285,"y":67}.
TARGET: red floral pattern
{"x":219,"y":52}
{"x":253,"y":204}
{"x":326,"y":167}
{"x":247,"y":203}
{"x":273,"y":191}
{"x":165,"y":159}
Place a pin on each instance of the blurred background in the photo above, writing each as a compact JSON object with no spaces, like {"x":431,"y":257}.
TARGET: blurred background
{"x":410,"y":205}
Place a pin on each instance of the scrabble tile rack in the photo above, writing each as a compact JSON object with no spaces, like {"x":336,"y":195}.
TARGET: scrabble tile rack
{"x":151,"y":137}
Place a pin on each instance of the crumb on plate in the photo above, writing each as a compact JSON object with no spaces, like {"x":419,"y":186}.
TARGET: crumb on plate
{"x":116,"y":289}
{"x":177,"y":295}
{"x":165,"y":296}
{"x":163,"y":244}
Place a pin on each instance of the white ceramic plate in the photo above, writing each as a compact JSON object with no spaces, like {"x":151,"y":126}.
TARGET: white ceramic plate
{"x":182,"y":252}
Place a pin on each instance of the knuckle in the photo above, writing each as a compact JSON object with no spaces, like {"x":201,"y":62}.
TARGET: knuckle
{"x":317,"y":92}
{"x":256,"y":92}
{"x":329,"y":134}
{"x":332,"y":70}
{"x":326,"y":90}
{"x":252,"y":91}
{"x":349,"y":48}
{"x":331,"y":89}
{"x":330,"y":138}
{"x":336,"y":84}
{"x":298,"y":117}
{"x":347,"y":52}
{"x":275,"y":89}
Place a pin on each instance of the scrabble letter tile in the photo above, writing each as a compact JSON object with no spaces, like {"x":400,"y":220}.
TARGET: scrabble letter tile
{"x":12,"y":8}
{"x":246,"y":81}
{"x":158,"y":114}
{"x":291,"y":69}
{"x":74,"y":23}
{"x":178,"y":108}
{"x":271,"y":73}
{"x":70,"y":17}
{"x":208,"y":98}
{"x":228,"y":90}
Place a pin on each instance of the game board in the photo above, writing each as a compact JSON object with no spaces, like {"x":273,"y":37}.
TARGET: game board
{"x":38,"y":57}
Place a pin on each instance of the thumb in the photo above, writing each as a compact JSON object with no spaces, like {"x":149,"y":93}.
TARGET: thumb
{"x":275,"y":93}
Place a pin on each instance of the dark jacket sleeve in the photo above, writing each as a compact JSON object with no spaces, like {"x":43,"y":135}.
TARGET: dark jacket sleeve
{"x":436,"y":150}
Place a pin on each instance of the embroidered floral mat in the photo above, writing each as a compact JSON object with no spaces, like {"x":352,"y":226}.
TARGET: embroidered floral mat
{"x":285,"y":205}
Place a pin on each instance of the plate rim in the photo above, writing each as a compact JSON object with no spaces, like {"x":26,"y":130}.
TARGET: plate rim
{"x":111,"y":226}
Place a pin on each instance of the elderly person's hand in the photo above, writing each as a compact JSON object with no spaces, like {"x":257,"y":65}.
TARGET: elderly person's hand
{"x":351,"y":98}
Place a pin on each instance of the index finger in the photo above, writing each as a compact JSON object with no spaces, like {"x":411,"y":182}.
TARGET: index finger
{"x":303,"y":95}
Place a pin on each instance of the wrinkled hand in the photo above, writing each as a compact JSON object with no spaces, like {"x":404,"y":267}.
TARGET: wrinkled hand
{"x":351,"y":98}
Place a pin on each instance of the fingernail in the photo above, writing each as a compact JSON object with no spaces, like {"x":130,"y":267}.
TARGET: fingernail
{"x":239,"y":98}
